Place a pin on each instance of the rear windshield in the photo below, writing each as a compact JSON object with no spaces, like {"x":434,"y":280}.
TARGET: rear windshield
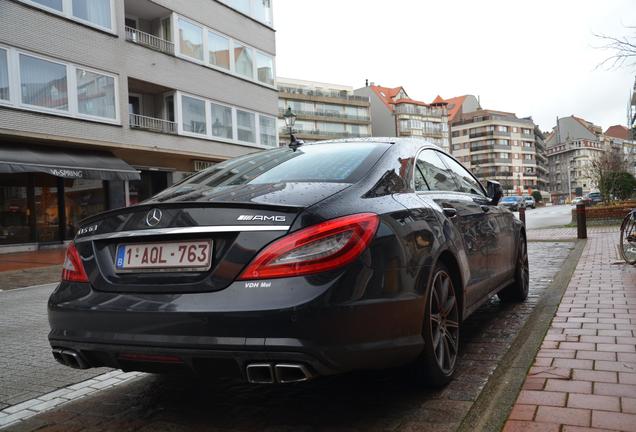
{"x":330,"y":163}
{"x":511,"y":199}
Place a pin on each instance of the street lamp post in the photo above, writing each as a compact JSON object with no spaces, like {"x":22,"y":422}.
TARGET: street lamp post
{"x":290,"y":119}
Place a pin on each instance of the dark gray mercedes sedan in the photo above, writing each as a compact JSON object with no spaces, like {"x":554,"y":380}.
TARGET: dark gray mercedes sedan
{"x":292,"y":263}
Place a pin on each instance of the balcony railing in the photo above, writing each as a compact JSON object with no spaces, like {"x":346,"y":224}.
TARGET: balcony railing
{"x":137,"y":121}
{"x":322,"y":93}
{"x":324,"y":133}
{"x":148,"y":40}
{"x":328,"y":114}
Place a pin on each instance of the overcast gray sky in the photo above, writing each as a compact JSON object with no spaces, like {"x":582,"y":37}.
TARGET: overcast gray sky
{"x":530,"y":57}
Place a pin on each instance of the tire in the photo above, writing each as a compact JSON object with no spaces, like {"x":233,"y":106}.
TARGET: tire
{"x":518,"y":290}
{"x":436,"y":365}
{"x":627,"y":246}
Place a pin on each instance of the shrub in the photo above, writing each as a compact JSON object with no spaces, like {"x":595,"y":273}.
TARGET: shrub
{"x":537,"y":196}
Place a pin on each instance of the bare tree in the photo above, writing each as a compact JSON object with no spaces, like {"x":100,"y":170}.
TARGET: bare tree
{"x":602,"y":170}
{"x":623,"y":48}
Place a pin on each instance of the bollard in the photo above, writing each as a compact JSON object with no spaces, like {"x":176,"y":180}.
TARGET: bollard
{"x":522,"y":214}
{"x":581,"y":221}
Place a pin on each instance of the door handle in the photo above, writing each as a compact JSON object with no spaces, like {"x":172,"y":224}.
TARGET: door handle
{"x":450,"y":211}
{"x":485,"y":208}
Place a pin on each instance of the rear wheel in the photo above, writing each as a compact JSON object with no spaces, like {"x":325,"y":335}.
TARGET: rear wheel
{"x":628,"y":239}
{"x":518,"y":290}
{"x":440,"y":331}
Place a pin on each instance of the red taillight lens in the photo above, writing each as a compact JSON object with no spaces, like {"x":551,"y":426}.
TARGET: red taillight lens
{"x":326,"y":246}
{"x":73,"y":270}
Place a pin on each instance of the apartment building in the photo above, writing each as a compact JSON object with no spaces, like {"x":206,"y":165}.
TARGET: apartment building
{"x":571,"y":147}
{"x":500,"y":146}
{"x":619,"y":138}
{"x":323,"y":111}
{"x":394,"y":113}
{"x":103,"y":103}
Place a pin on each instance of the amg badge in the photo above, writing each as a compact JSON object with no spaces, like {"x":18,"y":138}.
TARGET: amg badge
{"x":261,"y":218}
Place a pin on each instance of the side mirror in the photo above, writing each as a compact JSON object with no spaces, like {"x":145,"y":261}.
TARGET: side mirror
{"x":495,"y":192}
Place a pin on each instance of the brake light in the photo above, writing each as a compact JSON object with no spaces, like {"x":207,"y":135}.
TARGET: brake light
{"x":73,"y":270}
{"x":322,"y":247}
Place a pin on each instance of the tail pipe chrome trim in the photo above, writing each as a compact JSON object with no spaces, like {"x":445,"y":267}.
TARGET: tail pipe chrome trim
{"x":282,"y":373}
{"x":70,"y":358}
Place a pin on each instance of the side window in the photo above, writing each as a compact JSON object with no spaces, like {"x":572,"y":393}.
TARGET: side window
{"x":433,"y":174}
{"x":467,"y":183}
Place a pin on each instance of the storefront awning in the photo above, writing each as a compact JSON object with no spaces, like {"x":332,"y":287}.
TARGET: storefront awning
{"x":67,"y":163}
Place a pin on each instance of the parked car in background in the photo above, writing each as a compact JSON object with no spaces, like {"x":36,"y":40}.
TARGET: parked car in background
{"x":513,"y":203}
{"x":529,"y":201}
{"x":292,"y":263}
{"x":577,"y":200}
{"x":594,"y":197}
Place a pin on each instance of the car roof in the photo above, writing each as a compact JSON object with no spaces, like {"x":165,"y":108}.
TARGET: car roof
{"x":387,"y":140}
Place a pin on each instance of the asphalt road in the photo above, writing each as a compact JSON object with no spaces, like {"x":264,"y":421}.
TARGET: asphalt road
{"x":544,"y":217}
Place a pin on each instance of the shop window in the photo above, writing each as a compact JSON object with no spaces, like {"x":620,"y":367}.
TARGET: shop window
{"x":82,"y":198}
{"x":14,"y":209}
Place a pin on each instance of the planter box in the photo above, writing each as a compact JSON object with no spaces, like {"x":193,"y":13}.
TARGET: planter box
{"x":606,"y":214}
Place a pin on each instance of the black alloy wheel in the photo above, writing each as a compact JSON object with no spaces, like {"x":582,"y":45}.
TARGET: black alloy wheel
{"x":518,"y":290}
{"x":440,"y":331}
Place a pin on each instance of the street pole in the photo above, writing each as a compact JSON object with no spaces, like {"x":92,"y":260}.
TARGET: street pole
{"x":569,"y":183}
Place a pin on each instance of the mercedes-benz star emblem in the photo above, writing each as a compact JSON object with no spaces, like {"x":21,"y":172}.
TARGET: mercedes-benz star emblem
{"x":153,"y":217}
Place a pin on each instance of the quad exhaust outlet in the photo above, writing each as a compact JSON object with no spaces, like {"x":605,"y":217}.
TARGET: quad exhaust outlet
{"x":281,"y":373}
{"x":70,"y":358}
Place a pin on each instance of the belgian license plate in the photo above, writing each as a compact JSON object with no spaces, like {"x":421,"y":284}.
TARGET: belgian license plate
{"x":183,"y":255}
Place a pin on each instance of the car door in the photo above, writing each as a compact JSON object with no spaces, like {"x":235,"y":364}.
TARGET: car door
{"x":498,"y":226}
{"x":436,"y":182}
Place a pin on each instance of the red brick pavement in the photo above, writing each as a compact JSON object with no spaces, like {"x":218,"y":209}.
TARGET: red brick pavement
{"x":29,"y":260}
{"x":584,"y":375}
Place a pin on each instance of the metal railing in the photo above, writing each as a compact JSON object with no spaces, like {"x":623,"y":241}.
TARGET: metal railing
{"x":137,"y":121}
{"x":327,"y":114}
{"x":321,"y":93}
{"x":299,"y":132}
{"x":148,"y":40}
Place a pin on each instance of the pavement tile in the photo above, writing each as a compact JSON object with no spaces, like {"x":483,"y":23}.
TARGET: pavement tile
{"x":532,"y":383}
{"x":627,"y":378}
{"x":596,"y":355}
{"x":522,"y":412}
{"x":528,"y":426}
{"x":610,"y":389}
{"x":611,"y":420}
{"x":565,"y":416}
{"x":550,"y":372}
{"x":573,"y":363}
{"x":593,"y":375}
{"x":604,"y":403}
{"x":568,"y":386}
{"x":628,"y":405}
{"x":536,"y":397}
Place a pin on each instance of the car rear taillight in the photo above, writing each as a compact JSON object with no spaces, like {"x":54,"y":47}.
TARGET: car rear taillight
{"x":322,"y":247}
{"x":73,"y":270}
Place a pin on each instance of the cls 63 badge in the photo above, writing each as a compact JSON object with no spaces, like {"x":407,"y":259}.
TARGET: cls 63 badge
{"x":86,"y":230}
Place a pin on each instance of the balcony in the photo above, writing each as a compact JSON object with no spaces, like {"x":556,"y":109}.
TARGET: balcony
{"x":319,"y":115}
{"x":290,"y":91}
{"x":151,"y":107}
{"x":149,"y":41}
{"x":149,"y":25}
{"x":315,"y":134}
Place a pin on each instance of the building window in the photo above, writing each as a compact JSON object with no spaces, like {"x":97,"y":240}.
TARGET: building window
{"x":260,"y":10}
{"x":94,"y":11}
{"x":265,"y":68}
{"x":246,"y":125}
{"x":193,"y":112}
{"x":190,"y":39}
{"x":4,"y":75}
{"x":43,"y":83}
{"x":219,"y":50}
{"x":53,"y":4}
{"x":268,"y":130}
{"x":243,"y":60}
{"x":95,"y":94}
{"x":221,"y":121}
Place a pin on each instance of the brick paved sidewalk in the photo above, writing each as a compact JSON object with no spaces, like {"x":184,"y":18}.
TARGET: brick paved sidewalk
{"x":584,"y":375}
{"x":23,"y":269}
{"x":568,"y":233}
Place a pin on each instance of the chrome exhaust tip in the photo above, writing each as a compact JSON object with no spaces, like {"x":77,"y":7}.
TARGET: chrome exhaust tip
{"x":260,"y":373}
{"x":70,"y":358}
{"x":291,"y":373}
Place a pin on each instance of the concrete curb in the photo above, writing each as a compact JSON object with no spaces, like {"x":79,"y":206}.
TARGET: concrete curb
{"x":492,"y":407}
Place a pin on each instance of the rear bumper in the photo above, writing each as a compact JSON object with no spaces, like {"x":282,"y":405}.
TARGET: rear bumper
{"x":210,"y":335}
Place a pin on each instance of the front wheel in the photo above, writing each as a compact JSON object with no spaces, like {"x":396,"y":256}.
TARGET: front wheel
{"x":440,"y":331}
{"x":518,"y":290}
